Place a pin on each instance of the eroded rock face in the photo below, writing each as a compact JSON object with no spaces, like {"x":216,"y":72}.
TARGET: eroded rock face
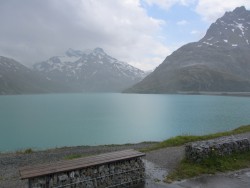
{"x":197,"y":151}
{"x":128,"y":172}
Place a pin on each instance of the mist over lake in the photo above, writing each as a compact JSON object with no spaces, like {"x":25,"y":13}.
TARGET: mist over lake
{"x":56,"y":120}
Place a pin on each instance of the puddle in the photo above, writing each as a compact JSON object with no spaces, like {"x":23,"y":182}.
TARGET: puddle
{"x":247,"y":174}
{"x":154,"y":172}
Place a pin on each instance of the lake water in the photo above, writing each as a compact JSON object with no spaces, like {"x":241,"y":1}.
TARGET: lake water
{"x":46,"y":121}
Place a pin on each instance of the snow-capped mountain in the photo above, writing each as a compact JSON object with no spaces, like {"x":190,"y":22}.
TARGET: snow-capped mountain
{"x":90,"y":71}
{"x":231,"y":31}
{"x":15,"y":78}
{"x":220,"y":61}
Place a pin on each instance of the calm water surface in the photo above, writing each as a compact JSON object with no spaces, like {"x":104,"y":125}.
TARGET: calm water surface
{"x":45,"y":121}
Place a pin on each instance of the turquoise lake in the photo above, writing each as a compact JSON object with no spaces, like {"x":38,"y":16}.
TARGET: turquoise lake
{"x":56,"y":120}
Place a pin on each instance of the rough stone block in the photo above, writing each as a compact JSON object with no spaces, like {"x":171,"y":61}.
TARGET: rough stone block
{"x":197,"y":151}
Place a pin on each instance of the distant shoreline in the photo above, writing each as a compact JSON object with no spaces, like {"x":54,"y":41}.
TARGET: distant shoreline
{"x":219,"y":93}
{"x":238,"y":94}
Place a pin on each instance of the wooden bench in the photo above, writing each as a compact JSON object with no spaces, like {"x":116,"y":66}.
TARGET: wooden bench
{"x":104,"y":170}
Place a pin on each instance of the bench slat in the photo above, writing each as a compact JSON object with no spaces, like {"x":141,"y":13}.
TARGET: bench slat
{"x":91,"y":158}
{"x":74,"y":164}
{"x":63,"y":169}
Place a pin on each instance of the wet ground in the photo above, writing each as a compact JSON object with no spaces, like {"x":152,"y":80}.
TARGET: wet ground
{"x":237,"y":179}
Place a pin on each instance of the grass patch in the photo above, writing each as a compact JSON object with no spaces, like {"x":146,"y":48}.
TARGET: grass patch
{"x":181,"y":140}
{"x":75,"y":156}
{"x":212,"y":165}
{"x":26,"y":151}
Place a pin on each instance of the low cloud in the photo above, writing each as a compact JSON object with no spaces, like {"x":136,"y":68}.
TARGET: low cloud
{"x":182,"y":22}
{"x":210,"y":10}
{"x":195,"y":32}
{"x":34,"y":30}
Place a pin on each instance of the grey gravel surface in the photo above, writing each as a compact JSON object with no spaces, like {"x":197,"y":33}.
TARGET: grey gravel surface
{"x":166,"y":158}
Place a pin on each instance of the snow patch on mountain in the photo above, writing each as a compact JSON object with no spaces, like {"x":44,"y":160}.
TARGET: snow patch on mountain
{"x":88,"y":68}
{"x":68,"y":59}
{"x":217,"y":62}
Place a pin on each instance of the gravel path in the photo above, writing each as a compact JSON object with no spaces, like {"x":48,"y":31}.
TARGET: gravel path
{"x":158,"y":163}
{"x":167,"y":158}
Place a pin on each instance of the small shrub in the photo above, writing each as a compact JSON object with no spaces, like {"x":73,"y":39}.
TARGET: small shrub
{"x":28,"y":151}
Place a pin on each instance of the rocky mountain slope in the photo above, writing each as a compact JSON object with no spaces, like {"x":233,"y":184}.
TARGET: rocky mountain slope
{"x":220,"y":61}
{"x":90,"y":71}
{"x":15,"y":78}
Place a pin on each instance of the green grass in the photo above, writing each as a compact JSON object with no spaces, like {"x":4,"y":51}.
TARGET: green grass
{"x":75,"y":156}
{"x":181,"y":140}
{"x":212,"y":165}
{"x":26,"y":151}
{"x":29,"y":150}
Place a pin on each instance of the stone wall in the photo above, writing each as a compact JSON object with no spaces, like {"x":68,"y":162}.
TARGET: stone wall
{"x":119,"y":174}
{"x":197,"y":151}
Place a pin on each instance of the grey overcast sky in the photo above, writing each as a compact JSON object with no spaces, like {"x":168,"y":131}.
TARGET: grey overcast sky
{"x":140,"y":32}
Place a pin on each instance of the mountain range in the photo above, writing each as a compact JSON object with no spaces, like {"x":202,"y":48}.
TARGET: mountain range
{"x":90,"y":71}
{"x":220,"y":61}
{"x":76,"y":71}
{"x":16,"y":78}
